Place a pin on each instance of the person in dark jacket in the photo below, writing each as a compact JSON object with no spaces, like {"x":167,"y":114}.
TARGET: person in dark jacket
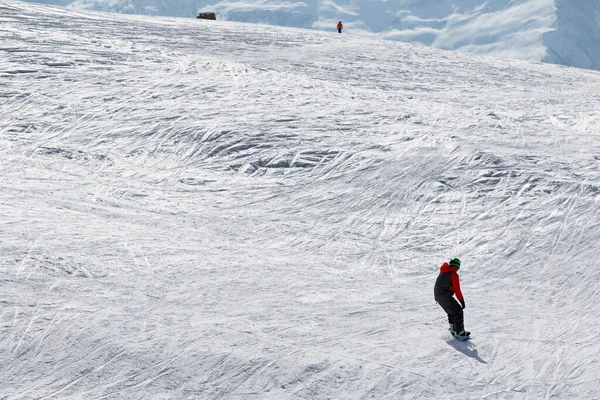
{"x":447,"y":285}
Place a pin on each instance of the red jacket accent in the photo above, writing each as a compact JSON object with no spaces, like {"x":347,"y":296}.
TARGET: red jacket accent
{"x":454,"y":278}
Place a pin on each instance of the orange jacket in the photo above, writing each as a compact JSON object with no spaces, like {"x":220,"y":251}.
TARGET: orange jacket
{"x":340,"y":25}
{"x":448,"y":286}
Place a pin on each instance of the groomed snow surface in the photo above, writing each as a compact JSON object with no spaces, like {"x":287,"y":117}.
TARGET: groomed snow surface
{"x":215,"y":210}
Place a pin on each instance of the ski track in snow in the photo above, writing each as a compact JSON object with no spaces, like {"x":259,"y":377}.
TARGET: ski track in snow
{"x":220,"y":210}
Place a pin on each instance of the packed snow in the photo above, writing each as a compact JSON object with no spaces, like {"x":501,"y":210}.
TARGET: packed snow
{"x":565,"y":32}
{"x":209,"y":209}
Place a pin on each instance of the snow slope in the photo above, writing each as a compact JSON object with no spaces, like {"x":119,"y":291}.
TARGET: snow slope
{"x":563,"y":32}
{"x":196,"y":209}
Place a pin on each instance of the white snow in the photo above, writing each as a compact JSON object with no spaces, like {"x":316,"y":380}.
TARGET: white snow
{"x":201,"y":209}
{"x":563,"y":32}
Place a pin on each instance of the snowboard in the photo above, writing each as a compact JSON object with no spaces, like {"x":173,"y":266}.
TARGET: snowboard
{"x":462,"y":338}
{"x":459,"y":338}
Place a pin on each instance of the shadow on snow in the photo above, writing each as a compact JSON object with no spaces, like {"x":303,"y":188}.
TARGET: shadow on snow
{"x":467,"y":348}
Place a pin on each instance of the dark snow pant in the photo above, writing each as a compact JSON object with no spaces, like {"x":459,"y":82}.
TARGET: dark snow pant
{"x":339,"y":30}
{"x":454,"y":311}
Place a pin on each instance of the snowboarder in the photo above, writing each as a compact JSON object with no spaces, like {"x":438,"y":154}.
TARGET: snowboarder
{"x":340,"y":26}
{"x":447,"y":285}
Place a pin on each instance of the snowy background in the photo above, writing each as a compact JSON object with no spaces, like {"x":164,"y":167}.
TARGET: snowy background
{"x":563,"y":32}
{"x":200,"y":209}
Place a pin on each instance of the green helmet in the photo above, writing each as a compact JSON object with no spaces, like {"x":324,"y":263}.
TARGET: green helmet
{"x":455,"y":262}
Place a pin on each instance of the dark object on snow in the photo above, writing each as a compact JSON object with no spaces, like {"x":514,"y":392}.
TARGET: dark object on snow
{"x":207,"y":15}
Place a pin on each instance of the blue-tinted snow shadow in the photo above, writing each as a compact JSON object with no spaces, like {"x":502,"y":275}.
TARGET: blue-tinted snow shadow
{"x":467,"y":348}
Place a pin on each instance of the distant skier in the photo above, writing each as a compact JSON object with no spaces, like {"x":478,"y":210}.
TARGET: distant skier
{"x":340,"y":26}
{"x":447,"y":285}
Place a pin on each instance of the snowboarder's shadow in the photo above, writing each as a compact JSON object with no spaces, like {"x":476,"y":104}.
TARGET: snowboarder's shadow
{"x":467,"y":348}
